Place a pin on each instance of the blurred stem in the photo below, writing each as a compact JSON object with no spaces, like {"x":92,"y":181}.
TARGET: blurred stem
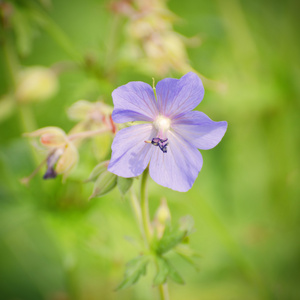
{"x":26,"y":117}
{"x":145,"y":205}
{"x":11,"y":61}
{"x":163,"y":288}
{"x":111,"y":45}
{"x":163,"y":291}
{"x":57,"y":34}
{"x":138,"y":213}
{"x":87,"y":134}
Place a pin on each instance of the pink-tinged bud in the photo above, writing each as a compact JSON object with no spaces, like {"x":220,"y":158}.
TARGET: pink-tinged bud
{"x":50,"y":137}
{"x":36,"y":84}
{"x":67,"y":160}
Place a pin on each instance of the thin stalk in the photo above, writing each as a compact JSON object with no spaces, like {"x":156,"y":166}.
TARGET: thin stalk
{"x":145,"y":205}
{"x":163,"y":288}
{"x":138,"y":213}
{"x":87,"y":134}
{"x":164,"y":292}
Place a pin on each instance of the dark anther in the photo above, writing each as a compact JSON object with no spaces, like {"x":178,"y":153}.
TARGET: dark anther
{"x":161,"y":143}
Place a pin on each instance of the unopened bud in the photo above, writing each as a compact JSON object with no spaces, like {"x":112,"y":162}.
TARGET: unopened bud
{"x":36,"y":84}
{"x":162,"y":217}
{"x":163,"y":212}
{"x":50,"y":137}
{"x":92,"y":111}
{"x":67,"y":160}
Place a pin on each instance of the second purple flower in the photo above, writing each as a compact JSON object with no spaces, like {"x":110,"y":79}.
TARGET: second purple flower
{"x":171,"y":134}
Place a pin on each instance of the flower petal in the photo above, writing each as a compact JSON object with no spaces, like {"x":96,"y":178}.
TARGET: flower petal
{"x":177,"y":96}
{"x":130,"y":153}
{"x":179,"y":167}
{"x":197,"y":128}
{"x":134,"y":101}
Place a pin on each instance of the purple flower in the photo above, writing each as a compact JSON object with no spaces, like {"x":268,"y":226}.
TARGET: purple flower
{"x":170,"y":135}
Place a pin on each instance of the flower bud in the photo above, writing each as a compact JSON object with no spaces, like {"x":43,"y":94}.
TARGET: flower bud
{"x":84,"y":110}
{"x":162,"y":217}
{"x":67,"y":160}
{"x":104,"y":184}
{"x":36,"y":84}
{"x":50,"y":137}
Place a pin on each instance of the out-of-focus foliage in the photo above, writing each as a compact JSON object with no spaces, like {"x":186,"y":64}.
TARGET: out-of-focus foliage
{"x":57,"y":244}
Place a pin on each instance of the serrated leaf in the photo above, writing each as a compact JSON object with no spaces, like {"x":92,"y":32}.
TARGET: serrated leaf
{"x":104,"y":184}
{"x":124,"y":184}
{"x":165,"y":270}
{"x":170,"y":238}
{"x":162,"y":272}
{"x":175,"y":235}
{"x":188,"y":254}
{"x":174,"y":275}
{"x":98,"y":170}
{"x":134,"y":270}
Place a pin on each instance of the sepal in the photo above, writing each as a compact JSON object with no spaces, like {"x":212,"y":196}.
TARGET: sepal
{"x":124,"y":184}
{"x":104,"y":184}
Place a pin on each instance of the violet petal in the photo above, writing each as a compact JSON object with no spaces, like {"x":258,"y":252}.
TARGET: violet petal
{"x":177,"y":96}
{"x":179,"y":167}
{"x":197,"y":128}
{"x":130,"y":153}
{"x":134,"y":101}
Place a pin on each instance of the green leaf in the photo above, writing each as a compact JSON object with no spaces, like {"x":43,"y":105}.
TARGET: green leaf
{"x":134,"y":270}
{"x":170,"y":238}
{"x":124,"y":184}
{"x":165,"y":270}
{"x":104,"y":184}
{"x":188,"y":254}
{"x":98,"y":170}
{"x":174,"y":235}
{"x":162,"y":273}
{"x":174,"y":275}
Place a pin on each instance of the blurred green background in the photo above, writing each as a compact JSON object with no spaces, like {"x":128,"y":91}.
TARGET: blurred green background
{"x":57,"y":245}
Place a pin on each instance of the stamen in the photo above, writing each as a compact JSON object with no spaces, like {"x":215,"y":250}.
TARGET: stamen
{"x":161,"y":143}
{"x":51,"y":161}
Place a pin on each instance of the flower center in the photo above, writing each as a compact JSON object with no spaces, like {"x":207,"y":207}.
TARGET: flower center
{"x":162,"y":124}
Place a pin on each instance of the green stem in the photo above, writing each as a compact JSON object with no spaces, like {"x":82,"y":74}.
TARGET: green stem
{"x":164,"y":292}
{"x":163,"y":288}
{"x":145,"y":206}
{"x":57,"y":34}
{"x":137,"y":212}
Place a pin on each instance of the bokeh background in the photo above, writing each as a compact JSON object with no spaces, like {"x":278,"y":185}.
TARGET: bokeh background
{"x":57,"y":245}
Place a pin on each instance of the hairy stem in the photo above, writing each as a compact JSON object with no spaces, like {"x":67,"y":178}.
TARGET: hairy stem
{"x":163,"y":288}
